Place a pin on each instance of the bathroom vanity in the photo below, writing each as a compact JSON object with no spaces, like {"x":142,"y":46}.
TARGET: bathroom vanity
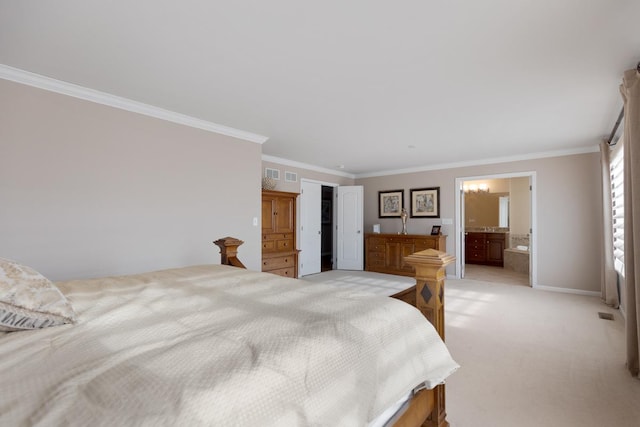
{"x":486,"y":248}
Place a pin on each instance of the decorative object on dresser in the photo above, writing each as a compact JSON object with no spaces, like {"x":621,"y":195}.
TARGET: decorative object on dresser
{"x":425,"y":202}
{"x":268,"y":183}
{"x":279,"y":253}
{"x":390,"y":203}
{"x":435,"y":230}
{"x":403,"y":217}
{"x":385,"y":253}
{"x":484,"y":248}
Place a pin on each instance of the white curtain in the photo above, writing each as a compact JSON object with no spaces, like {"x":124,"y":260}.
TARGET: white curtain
{"x":609,"y":279}
{"x":630,"y":90}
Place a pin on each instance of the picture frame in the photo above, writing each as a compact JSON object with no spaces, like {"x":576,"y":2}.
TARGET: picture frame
{"x":390,"y":203}
{"x":435,"y":230}
{"x":425,"y":202}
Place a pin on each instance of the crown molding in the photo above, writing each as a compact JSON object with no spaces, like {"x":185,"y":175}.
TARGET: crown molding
{"x":301,"y":165}
{"x":532,"y":156}
{"x":65,"y":88}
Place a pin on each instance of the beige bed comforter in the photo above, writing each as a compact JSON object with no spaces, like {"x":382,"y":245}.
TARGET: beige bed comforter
{"x":219,"y":346}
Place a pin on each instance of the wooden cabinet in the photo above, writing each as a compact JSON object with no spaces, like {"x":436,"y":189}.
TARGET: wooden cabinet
{"x":495,"y":249}
{"x":384,"y":253}
{"x":484,"y":248}
{"x":279,"y":253}
{"x":475,"y":248}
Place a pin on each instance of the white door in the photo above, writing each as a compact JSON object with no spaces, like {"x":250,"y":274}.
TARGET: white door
{"x":349,"y":228}
{"x":310,"y":228}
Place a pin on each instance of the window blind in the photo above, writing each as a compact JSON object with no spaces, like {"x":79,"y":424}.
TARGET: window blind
{"x":617,"y":202}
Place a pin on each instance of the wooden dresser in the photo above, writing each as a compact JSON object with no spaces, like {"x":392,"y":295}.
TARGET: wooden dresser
{"x":484,"y":248}
{"x":384,"y":253}
{"x":279,"y":253}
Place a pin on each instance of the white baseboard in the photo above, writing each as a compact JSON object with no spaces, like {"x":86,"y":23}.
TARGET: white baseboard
{"x":568,"y":291}
{"x":622,"y":312}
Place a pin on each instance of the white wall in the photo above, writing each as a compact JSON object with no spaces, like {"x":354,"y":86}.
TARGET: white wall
{"x":569,"y":214}
{"x":88,"y":190}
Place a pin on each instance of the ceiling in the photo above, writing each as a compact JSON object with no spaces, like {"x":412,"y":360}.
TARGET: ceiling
{"x":371,"y":85}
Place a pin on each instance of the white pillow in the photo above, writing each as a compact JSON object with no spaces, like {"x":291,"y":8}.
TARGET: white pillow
{"x":28,"y":300}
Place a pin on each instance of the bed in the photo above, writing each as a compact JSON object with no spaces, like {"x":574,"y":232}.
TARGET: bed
{"x":221,"y":345}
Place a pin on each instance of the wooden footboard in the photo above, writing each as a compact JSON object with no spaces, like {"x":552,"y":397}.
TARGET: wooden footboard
{"x":428,"y":296}
{"x":427,"y":407}
{"x":229,"y":251}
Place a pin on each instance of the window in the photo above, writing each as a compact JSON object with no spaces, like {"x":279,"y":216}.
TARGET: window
{"x":617,"y":202}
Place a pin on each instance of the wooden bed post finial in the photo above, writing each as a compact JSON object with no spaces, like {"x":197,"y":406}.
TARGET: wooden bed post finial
{"x":229,"y":251}
{"x":430,"y":273}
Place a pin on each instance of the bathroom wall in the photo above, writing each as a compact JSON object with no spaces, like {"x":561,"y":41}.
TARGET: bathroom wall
{"x":519,"y":206}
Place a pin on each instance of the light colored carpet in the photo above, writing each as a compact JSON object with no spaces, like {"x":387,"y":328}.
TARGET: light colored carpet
{"x":529,"y":357}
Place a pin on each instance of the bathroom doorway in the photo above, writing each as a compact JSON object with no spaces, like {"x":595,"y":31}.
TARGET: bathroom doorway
{"x":495,"y":228}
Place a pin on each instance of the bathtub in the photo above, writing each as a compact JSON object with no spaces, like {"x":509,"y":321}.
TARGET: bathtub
{"x":517,"y":259}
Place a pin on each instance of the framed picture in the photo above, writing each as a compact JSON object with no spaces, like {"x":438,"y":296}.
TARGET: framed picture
{"x":435,"y":230}
{"x":390,"y":203}
{"x":425,"y":202}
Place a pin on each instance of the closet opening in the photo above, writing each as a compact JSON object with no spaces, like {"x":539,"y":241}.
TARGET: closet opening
{"x":326,"y":223}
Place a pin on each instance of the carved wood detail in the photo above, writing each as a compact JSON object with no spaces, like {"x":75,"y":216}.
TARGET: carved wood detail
{"x":430,"y":271}
{"x":229,"y":251}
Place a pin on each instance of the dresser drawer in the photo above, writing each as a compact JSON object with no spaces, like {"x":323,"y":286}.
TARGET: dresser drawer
{"x":473,"y":254}
{"x":422,"y":245}
{"x":378,"y":247}
{"x":277,"y":236}
{"x":375,"y":262}
{"x":277,"y":243}
{"x":285,"y":272}
{"x":475,"y":239}
{"x":476,"y":246}
{"x":375,"y":256}
{"x":376,"y":241}
{"x":284,"y":245}
{"x":268,"y":245}
{"x":398,"y":240}
{"x":285,"y":261}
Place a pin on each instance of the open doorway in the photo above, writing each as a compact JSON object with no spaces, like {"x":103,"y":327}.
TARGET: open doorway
{"x":331,"y":220}
{"x":316,"y":219}
{"x":495,"y":228}
{"x":326,"y":219}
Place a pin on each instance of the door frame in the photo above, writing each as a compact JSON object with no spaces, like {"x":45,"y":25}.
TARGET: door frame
{"x":299,"y":219}
{"x":533,"y":234}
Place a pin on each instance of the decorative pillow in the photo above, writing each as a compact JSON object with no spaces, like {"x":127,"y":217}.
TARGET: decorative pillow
{"x":28,"y":300}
